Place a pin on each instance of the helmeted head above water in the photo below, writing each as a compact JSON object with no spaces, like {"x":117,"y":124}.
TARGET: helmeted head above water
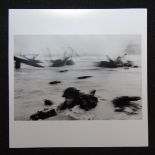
{"x":71,"y":92}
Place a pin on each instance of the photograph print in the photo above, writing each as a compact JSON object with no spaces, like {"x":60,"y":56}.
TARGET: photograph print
{"x":77,"y":77}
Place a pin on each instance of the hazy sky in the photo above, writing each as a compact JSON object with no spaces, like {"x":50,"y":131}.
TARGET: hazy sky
{"x":98,"y":45}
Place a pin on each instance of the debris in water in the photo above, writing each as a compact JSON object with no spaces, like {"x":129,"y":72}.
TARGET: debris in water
{"x":83,"y":77}
{"x":19,"y":60}
{"x":48,"y":102}
{"x":44,"y":114}
{"x":126,"y":104}
{"x":62,"y":71}
{"x":135,"y":66}
{"x":54,"y":82}
{"x":66,"y":60}
{"x":118,"y":62}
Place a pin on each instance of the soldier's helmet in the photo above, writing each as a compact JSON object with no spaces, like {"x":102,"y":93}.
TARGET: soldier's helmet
{"x":71,"y":92}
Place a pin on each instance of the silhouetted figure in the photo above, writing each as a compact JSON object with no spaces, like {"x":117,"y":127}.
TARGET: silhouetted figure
{"x":120,"y":103}
{"x":73,"y":97}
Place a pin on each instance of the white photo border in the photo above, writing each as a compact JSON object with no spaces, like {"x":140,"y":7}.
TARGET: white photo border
{"x":98,"y":133}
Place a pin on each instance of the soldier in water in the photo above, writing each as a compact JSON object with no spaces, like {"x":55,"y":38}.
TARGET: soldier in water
{"x":73,"y":97}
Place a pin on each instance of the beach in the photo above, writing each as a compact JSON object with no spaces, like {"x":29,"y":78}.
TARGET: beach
{"x":31,"y":87}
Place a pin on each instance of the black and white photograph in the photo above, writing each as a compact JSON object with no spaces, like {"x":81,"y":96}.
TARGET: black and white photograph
{"x":77,"y":77}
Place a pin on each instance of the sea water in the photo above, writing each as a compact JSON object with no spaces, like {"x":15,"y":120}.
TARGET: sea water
{"x":31,"y":87}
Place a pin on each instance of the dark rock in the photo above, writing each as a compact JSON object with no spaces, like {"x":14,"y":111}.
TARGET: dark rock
{"x":83,"y":77}
{"x":48,"y":102}
{"x":54,"y":82}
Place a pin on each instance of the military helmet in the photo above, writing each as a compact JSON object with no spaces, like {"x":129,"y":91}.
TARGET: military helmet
{"x":71,"y":92}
